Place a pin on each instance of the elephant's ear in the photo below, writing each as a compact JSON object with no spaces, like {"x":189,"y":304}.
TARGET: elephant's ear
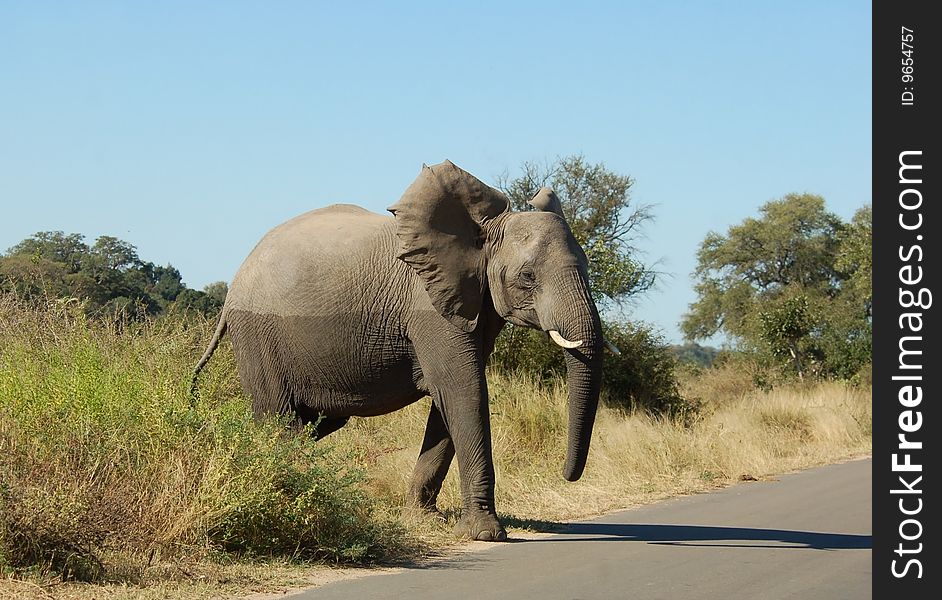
{"x":440,"y":223}
{"x":547,"y":200}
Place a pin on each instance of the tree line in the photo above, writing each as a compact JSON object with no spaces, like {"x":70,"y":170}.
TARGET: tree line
{"x":108,"y":277}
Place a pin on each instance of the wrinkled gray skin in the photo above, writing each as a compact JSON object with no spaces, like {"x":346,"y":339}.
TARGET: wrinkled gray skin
{"x":341,"y":312}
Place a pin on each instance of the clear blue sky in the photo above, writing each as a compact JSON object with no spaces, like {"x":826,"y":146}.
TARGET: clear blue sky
{"x":191,"y":128}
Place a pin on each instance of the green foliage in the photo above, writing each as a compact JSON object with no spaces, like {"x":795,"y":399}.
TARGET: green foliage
{"x":843,"y":338}
{"x":855,"y":258}
{"x":597,"y":204}
{"x":794,"y":244}
{"x":105,"y":460}
{"x":641,"y":377}
{"x":792,"y":286}
{"x":785,"y":327}
{"x":217,"y":291}
{"x":694,"y":354}
{"x":196,"y":301}
{"x":108,"y":277}
{"x":297,"y":499}
{"x":525,"y":350}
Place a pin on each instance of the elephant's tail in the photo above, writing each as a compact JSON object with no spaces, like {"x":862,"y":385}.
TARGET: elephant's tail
{"x":213,"y":343}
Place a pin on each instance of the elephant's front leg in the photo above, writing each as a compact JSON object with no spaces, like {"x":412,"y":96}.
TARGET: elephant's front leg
{"x":454,"y":372}
{"x":469,"y":425}
{"x":432,"y":466}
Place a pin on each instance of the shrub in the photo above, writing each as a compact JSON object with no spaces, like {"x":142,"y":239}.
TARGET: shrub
{"x":106,"y":461}
{"x":525,"y":350}
{"x":641,"y":377}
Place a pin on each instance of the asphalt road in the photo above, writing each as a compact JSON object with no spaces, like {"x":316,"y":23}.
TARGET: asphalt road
{"x":805,"y":535}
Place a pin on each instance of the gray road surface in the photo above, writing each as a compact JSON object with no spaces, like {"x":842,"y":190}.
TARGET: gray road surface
{"x":806,"y":535}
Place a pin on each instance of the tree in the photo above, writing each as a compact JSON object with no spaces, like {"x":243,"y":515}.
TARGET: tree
{"x":785,"y":328}
{"x":32,"y":276}
{"x":846,"y":337}
{"x":167,"y":281}
{"x":108,"y":276}
{"x":597,"y":204}
{"x":217,"y":290}
{"x":196,"y":301}
{"x":692,"y":353}
{"x":54,"y":246}
{"x":855,"y":258}
{"x":792,"y":285}
{"x":794,"y":243}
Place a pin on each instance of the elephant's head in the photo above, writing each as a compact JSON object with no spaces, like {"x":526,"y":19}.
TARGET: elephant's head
{"x":464,"y":242}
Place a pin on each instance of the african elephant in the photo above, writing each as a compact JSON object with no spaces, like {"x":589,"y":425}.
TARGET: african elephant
{"x":341,"y":312}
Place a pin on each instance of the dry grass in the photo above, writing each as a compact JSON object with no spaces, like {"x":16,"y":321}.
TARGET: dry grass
{"x":635,"y":458}
{"x":109,"y":473}
{"x":262,"y":580}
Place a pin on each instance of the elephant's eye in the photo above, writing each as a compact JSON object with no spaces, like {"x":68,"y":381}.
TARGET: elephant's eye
{"x":527,"y":277}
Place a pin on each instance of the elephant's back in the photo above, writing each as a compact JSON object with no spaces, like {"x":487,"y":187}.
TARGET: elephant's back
{"x":334,"y":226}
{"x":306,"y":261}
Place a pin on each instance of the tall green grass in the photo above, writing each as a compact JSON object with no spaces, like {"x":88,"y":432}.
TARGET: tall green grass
{"x":108,"y":467}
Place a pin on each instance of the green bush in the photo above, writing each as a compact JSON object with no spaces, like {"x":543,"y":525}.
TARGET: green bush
{"x":525,"y":350}
{"x":105,"y":460}
{"x":644,"y":374}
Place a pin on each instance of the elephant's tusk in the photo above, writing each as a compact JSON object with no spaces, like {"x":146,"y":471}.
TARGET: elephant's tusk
{"x":554,"y":335}
{"x":612,"y":348}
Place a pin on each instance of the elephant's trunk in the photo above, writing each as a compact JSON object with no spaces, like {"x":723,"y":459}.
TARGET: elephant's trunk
{"x":584,"y":374}
{"x":580,"y":321}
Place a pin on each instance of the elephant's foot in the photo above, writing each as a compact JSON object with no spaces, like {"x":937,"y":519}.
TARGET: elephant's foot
{"x":478,"y":524}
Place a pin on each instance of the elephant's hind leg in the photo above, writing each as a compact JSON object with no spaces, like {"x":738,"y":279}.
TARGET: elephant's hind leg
{"x":434,"y":460}
{"x":327,"y":426}
{"x":323,"y":424}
